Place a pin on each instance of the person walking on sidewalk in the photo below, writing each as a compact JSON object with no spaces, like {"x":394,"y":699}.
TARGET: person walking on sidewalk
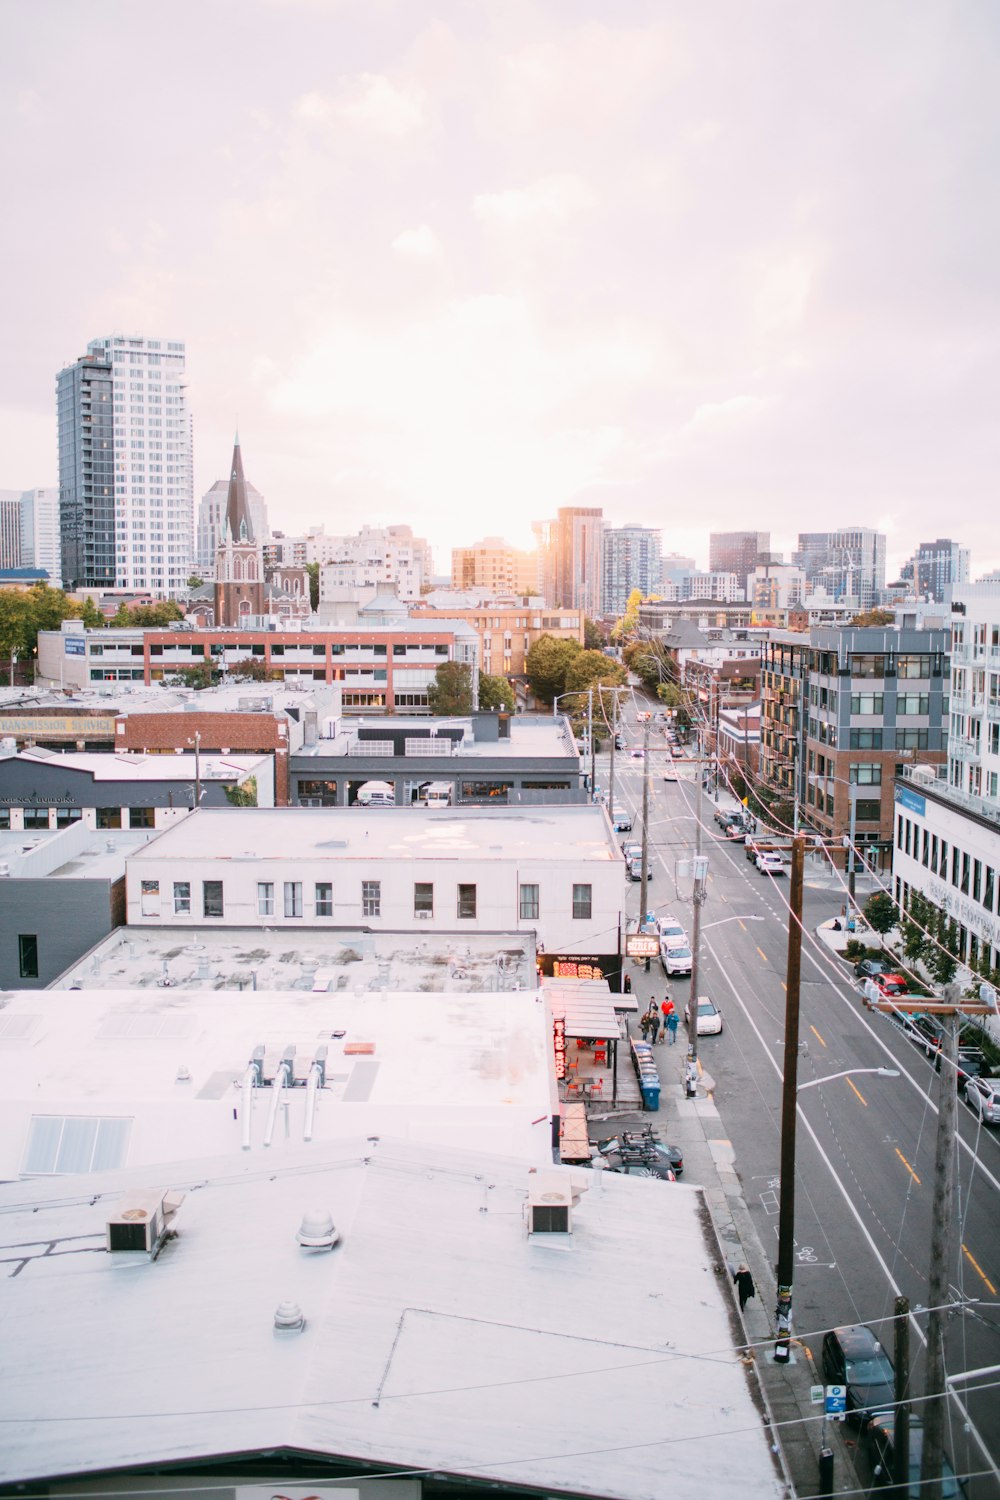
{"x":671,"y":1024}
{"x":654,"y":1022}
{"x":744,"y":1284}
{"x":668,"y":1010}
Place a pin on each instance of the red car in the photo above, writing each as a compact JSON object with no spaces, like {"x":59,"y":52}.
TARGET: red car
{"x":891,"y":984}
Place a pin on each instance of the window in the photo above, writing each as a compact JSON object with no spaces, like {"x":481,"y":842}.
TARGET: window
{"x":866,"y":739}
{"x":582,"y":900}
{"x":867,"y":665}
{"x":67,"y":815}
{"x":293,"y":898}
{"x":318,"y":793}
{"x":423,"y":899}
{"x":36,"y":817}
{"x":265,"y":898}
{"x":324,"y":898}
{"x":988,"y":889}
{"x":467,"y":901}
{"x":529,"y":903}
{"x":27,"y":952}
{"x":866,"y":775}
{"x":141,"y":817}
{"x":912,"y":739}
{"x":61,"y":1143}
{"x":912,"y":703}
{"x":149,"y":898}
{"x":371,"y":898}
{"x":211,"y":898}
{"x":914,"y":666}
{"x":868,"y":812}
{"x":182,"y":898}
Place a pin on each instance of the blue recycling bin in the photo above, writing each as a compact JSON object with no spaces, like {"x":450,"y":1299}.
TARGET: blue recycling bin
{"x":650,"y":1088}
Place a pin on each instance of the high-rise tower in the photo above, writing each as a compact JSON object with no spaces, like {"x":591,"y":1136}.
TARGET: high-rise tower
{"x":126,"y":493}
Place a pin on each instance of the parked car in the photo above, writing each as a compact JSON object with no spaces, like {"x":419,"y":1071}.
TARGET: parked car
{"x":881,"y":1449}
{"x":633,"y":869}
{"x":637,"y":1148}
{"x":709,"y":1017}
{"x":891,"y":984}
{"x":637,"y":752}
{"x":737,"y":832}
{"x":853,"y":1357}
{"x":982,"y":1095}
{"x":631,"y":849}
{"x":770,"y":862}
{"x":670,"y":928}
{"x":926,"y":1032}
{"x":676,"y":958}
{"x":870,"y":968}
{"x":725,"y":815}
{"x":622,"y":822}
{"x":752,"y":849}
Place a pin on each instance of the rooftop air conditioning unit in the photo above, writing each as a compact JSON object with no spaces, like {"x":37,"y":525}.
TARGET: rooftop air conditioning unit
{"x":552,"y":1196}
{"x":141,"y":1221}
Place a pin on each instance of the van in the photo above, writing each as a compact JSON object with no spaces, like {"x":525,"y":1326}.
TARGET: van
{"x":438,"y":794}
{"x":376,"y":794}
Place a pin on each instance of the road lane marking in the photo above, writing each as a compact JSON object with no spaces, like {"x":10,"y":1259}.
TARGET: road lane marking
{"x":812,"y":1029}
{"x":860,"y":1095}
{"x":784,"y":986}
{"x":906,"y":1164}
{"x":762,"y":954}
{"x":743,"y":927}
{"x":977,"y":1267}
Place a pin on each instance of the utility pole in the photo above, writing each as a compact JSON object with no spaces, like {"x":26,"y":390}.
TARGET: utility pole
{"x":789,"y":1108}
{"x":853,"y":790}
{"x":901,"y":1421}
{"x":590,"y":731}
{"x":644,"y":883}
{"x":942,"y":1250}
{"x":614,"y":733}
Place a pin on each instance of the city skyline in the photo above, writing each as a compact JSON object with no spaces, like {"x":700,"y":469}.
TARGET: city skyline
{"x":431,"y":276}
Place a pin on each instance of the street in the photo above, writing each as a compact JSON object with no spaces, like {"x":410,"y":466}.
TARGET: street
{"x":865,"y":1151}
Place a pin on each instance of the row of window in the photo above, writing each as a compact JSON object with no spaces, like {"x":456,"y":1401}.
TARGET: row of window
{"x":213,"y":900}
{"x":971,"y":876}
{"x":971,"y":948}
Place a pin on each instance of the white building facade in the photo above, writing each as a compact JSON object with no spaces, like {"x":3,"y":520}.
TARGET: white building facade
{"x":376,"y":555}
{"x":41,"y":546}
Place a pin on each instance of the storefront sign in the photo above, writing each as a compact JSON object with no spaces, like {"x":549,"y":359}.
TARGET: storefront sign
{"x":36,"y":724}
{"x":642,"y":945}
{"x":75,"y":645}
{"x":559,"y":1045}
{"x":911,"y":800}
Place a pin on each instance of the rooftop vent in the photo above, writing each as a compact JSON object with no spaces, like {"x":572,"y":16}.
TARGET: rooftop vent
{"x":317,"y":1230}
{"x":288,"y":1319}
{"x":552,"y":1196}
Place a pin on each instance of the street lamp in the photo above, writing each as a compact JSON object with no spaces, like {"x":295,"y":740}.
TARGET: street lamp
{"x":578,"y":693}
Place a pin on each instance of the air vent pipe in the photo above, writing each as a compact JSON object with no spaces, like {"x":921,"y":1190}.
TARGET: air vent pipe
{"x":252,"y":1079}
{"x":282,"y":1081}
{"x":315,"y":1081}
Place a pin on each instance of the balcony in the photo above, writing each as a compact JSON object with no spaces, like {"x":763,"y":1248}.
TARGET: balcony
{"x":961,"y":748}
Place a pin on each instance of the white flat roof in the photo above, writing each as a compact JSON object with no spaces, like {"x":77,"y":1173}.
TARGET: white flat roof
{"x":101,"y":857}
{"x":445,"y":1067}
{"x":574,"y":834}
{"x":137,"y":767}
{"x":438,"y":1335}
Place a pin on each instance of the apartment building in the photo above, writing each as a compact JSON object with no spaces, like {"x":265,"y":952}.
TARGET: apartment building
{"x":507,"y":629}
{"x":848,"y":563}
{"x":632,"y":560}
{"x":496,"y":567}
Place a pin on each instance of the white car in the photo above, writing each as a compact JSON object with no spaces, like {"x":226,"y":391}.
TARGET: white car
{"x":675,"y":957}
{"x":771,"y":863}
{"x":709,"y":1017}
{"x":670,"y":928}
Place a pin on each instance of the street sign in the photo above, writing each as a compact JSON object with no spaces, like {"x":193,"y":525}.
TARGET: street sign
{"x":817,"y":1395}
{"x":641,"y":945}
{"x":836,"y":1402}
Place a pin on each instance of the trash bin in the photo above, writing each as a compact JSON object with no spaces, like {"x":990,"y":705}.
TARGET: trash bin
{"x":650,"y":1093}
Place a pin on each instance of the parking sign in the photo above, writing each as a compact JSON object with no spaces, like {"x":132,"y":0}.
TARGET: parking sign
{"x":836,"y":1402}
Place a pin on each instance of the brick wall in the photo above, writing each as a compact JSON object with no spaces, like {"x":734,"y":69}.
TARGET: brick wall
{"x":257,"y":734}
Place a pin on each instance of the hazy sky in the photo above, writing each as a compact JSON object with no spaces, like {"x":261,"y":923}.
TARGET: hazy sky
{"x":711,"y":265}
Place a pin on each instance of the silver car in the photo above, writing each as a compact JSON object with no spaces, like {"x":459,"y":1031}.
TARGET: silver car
{"x":982,"y":1095}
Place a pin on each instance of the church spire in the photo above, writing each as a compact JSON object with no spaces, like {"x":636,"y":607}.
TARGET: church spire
{"x":239,"y":523}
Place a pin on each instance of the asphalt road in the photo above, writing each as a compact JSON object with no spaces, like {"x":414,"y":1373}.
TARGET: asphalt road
{"x":865,"y":1145}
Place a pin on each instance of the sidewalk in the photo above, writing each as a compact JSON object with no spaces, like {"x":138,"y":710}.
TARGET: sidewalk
{"x":710,"y":1163}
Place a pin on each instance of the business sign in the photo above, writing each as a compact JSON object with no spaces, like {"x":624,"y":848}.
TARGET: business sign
{"x":36,"y":724}
{"x":580,"y":966}
{"x":75,"y":645}
{"x":559,"y":1045}
{"x":641,"y":945}
{"x":911,"y":800}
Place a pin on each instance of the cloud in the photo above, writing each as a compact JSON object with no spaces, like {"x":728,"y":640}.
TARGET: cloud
{"x":547,"y":203}
{"x":417,"y":244}
{"x":370,"y":103}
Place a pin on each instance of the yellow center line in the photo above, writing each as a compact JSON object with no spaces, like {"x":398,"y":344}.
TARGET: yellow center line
{"x":977,"y":1267}
{"x":762,"y":954}
{"x":784,"y":986}
{"x":906,"y":1164}
{"x":861,"y":1096}
{"x":815,"y":1032}
{"x":743,"y":925}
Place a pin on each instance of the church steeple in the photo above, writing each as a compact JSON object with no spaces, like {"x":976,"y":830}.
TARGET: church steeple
{"x":238,"y":525}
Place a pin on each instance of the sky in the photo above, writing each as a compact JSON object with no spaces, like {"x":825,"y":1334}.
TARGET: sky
{"x":710,"y":266}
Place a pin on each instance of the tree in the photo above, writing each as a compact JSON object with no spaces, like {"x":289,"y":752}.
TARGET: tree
{"x":166,"y":612}
{"x":451,"y":690}
{"x":874,"y":617}
{"x":651,"y":662}
{"x":590,"y":667}
{"x":90,"y":616}
{"x":881,"y":913}
{"x":244,"y":795}
{"x":916,"y":923}
{"x":313,"y":570}
{"x":495,"y":692}
{"x":625,"y":628}
{"x":16,"y":627}
{"x":194,"y":582}
{"x":547,"y":663}
{"x":251,"y":669}
{"x":593,"y":636}
{"x":204,"y":675}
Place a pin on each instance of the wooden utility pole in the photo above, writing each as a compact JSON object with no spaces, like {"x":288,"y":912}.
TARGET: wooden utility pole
{"x":644,"y":886}
{"x":789,"y":1107}
{"x":942,"y":1251}
{"x":901,"y":1420}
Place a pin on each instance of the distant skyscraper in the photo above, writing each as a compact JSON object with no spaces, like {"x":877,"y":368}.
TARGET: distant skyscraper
{"x":673,"y":567}
{"x":41,"y":545}
{"x":849,"y":563}
{"x":10,"y":530}
{"x":632,"y":560}
{"x":211,"y":517}
{"x":937,"y":566}
{"x":578,"y":556}
{"x":125,"y":478}
{"x":737,"y":552}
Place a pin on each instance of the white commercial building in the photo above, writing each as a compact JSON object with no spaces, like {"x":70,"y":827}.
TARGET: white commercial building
{"x":376,"y":555}
{"x":947,"y":833}
{"x":556,"y":871}
{"x":125,"y":467}
{"x":41,"y":545}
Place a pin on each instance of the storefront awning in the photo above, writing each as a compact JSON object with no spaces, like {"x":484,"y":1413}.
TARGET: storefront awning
{"x":588,"y":1009}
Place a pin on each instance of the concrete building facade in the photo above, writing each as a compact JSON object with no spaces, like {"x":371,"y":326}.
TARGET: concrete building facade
{"x":632,"y":560}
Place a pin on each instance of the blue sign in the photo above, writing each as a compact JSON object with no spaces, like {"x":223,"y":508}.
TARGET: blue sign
{"x":911,"y":800}
{"x":835,"y":1404}
{"x":76,"y":645}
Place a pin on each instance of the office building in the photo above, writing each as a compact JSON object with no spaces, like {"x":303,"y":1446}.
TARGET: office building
{"x":125,"y":479}
{"x":11,"y":551}
{"x":673,"y":566}
{"x":494,"y":566}
{"x":41,"y":544}
{"x":937,"y":567}
{"x":375,"y":556}
{"x":572,"y":564}
{"x":848,"y":564}
{"x":211,"y":518}
{"x":737,"y":552}
{"x":632,"y":560}
{"x":729,"y":587}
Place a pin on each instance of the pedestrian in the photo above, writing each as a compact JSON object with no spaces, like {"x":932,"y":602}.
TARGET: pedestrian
{"x":627,"y":987}
{"x":654,"y":1025}
{"x":671,"y":1025}
{"x":644,"y":1025}
{"x":744,"y":1284}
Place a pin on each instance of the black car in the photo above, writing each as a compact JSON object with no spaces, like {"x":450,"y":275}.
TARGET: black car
{"x":880,"y":1436}
{"x":633,"y":1150}
{"x":853,"y":1357}
{"x":926,"y":1032}
{"x":868,"y":968}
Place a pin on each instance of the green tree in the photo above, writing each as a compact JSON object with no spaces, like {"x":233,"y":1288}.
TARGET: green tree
{"x":495,"y":692}
{"x":17,"y":630}
{"x":942,"y":956}
{"x":251,"y":669}
{"x":194,"y":582}
{"x":204,"y":675}
{"x":593,"y":636}
{"x":881,"y":913}
{"x":313,"y":570}
{"x":90,"y":616}
{"x":590,"y":667}
{"x":244,"y":795}
{"x":547,"y":663}
{"x":918,"y":919}
{"x":874,"y":617}
{"x":451,"y":690}
{"x":166,"y":612}
{"x":651,"y":662}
